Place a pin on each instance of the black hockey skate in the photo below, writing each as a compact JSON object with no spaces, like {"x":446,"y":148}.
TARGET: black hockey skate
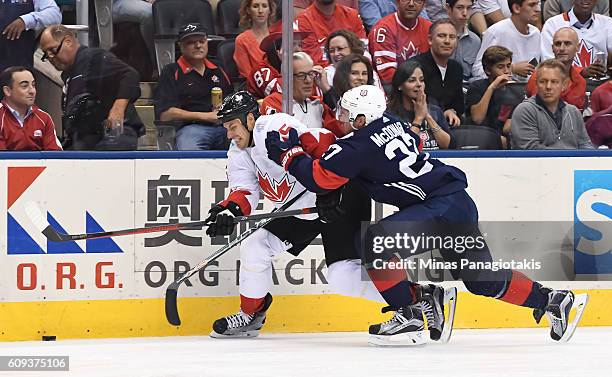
{"x":560,"y":303}
{"x":432,"y":299}
{"x":406,"y":328}
{"x":241,"y":325}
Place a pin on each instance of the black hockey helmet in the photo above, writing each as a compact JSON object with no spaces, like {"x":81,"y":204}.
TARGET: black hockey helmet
{"x":237,"y":106}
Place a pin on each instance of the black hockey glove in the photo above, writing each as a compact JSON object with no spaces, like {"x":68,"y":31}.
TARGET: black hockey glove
{"x":328,"y":206}
{"x":222,"y":224}
{"x":283,"y":152}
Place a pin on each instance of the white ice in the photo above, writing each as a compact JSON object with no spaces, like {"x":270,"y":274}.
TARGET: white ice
{"x":473,"y":353}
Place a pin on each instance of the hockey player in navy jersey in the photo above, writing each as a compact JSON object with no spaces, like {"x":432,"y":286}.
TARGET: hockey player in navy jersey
{"x":383,"y":156}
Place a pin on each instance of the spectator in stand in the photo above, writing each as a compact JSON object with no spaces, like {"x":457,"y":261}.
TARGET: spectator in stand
{"x":599,"y":128}
{"x":490,"y":102}
{"x":353,"y":70}
{"x":371,"y":11}
{"x":265,"y":77}
{"x":495,"y":10}
{"x":398,"y":37}
{"x":110,"y":85}
{"x":601,"y":98}
{"x":517,"y":35}
{"x":469,"y":43}
{"x":23,"y":125}
{"x":408,"y":101}
{"x":565,"y":46}
{"x":435,"y":9}
{"x":443,"y":75}
{"x":545,"y":121}
{"x":255,"y":19}
{"x":140,"y":12}
{"x":556,"y":7}
{"x":301,"y":5}
{"x":322,"y":18}
{"x":594,"y":34}
{"x":307,"y":108}
{"x":183,"y":93}
{"x":18,"y":22}
{"x":340,"y":44}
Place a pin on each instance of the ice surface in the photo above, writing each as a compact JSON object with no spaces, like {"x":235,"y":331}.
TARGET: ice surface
{"x":473,"y":353}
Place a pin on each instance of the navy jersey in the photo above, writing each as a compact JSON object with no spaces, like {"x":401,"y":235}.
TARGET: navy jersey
{"x":384,"y":158}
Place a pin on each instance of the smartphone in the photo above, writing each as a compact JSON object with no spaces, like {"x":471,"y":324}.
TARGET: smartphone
{"x":533,"y":62}
{"x":600,"y":58}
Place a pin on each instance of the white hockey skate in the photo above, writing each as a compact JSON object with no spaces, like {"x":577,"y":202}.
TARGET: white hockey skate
{"x":433,"y":298}
{"x":560,"y":304}
{"x":241,"y":325}
{"x":406,"y":328}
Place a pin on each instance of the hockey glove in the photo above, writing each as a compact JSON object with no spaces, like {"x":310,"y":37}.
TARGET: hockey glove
{"x":329,"y":207}
{"x":220,"y":225}
{"x":283,"y":152}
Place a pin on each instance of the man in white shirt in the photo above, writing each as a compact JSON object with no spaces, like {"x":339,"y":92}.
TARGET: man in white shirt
{"x":517,"y":35}
{"x":594,"y":34}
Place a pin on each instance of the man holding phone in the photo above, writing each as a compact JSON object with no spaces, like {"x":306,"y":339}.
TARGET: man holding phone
{"x":594,"y":37}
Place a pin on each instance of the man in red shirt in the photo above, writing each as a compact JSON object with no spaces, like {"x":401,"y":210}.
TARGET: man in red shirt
{"x":322,"y":18}
{"x":565,"y":46}
{"x":23,"y":126}
{"x":397,"y":37}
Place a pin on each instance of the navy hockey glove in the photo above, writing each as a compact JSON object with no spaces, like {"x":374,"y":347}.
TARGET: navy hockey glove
{"x":222,"y":224}
{"x":329,"y":207}
{"x":283,"y":152}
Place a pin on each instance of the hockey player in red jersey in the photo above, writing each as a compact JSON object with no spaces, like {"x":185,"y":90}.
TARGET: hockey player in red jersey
{"x":250,"y":172}
{"x":432,"y":201}
{"x":321,"y":19}
{"x":397,"y":37}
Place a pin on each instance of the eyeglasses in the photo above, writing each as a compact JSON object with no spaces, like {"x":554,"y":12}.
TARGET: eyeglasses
{"x":52,"y":52}
{"x":416,"y":2}
{"x":302,"y":76}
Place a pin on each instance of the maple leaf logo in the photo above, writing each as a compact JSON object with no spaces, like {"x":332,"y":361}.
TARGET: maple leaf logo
{"x":276,"y":192}
{"x":584,"y":56}
{"x":409,"y":51}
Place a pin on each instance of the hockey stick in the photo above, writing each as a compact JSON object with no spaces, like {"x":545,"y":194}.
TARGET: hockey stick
{"x":52,"y":234}
{"x":172,"y":314}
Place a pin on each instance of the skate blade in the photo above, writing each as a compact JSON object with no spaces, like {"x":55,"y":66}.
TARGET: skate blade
{"x":247,"y":334}
{"x":411,"y":339}
{"x":580,"y":302}
{"x":450,"y":301}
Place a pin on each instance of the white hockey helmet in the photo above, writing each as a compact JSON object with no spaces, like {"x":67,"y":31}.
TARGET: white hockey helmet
{"x":366,"y":100}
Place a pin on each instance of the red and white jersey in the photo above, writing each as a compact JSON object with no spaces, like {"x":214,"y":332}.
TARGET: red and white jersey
{"x":264,"y":80}
{"x":36,"y":132}
{"x":250,"y":170}
{"x":392,"y":43}
{"x":319,"y":26}
{"x":313,"y":112}
{"x":596,"y":37}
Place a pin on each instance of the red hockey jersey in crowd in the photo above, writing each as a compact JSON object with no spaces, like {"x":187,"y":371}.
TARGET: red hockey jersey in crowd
{"x":320,"y":26}
{"x":36,"y":134}
{"x":392,"y":43}
{"x":264,"y":80}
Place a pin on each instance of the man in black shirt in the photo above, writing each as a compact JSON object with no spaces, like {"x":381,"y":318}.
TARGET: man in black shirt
{"x":105,"y":86}
{"x":184,"y":93}
{"x":443,"y":76}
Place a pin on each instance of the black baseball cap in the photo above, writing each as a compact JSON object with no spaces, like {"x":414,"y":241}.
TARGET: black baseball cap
{"x":190,"y":29}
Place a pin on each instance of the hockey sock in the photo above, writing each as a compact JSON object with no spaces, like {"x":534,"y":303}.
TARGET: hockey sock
{"x":524,"y":292}
{"x":393,"y":285}
{"x":251,"y":305}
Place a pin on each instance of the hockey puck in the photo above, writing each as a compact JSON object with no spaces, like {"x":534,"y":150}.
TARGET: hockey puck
{"x":48,"y":338}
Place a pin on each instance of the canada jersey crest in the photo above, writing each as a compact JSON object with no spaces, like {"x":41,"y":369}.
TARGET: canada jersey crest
{"x":276,"y":191}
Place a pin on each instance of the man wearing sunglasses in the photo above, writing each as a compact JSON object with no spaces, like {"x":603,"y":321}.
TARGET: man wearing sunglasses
{"x":18,"y":20}
{"x":111,"y":87}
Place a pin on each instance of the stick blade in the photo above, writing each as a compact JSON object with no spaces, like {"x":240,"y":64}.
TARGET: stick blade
{"x":172,"y":314}
{"x":36,"y":216}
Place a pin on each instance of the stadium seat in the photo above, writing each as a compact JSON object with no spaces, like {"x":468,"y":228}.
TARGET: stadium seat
{"x":169,"y":16}
{"x":225,"y":57}
{"x":104,"y":19}
{"x":474,"y":137}
{"x":227,"y":14}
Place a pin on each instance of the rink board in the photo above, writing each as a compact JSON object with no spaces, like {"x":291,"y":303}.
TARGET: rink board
{"x":114,"y":287}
